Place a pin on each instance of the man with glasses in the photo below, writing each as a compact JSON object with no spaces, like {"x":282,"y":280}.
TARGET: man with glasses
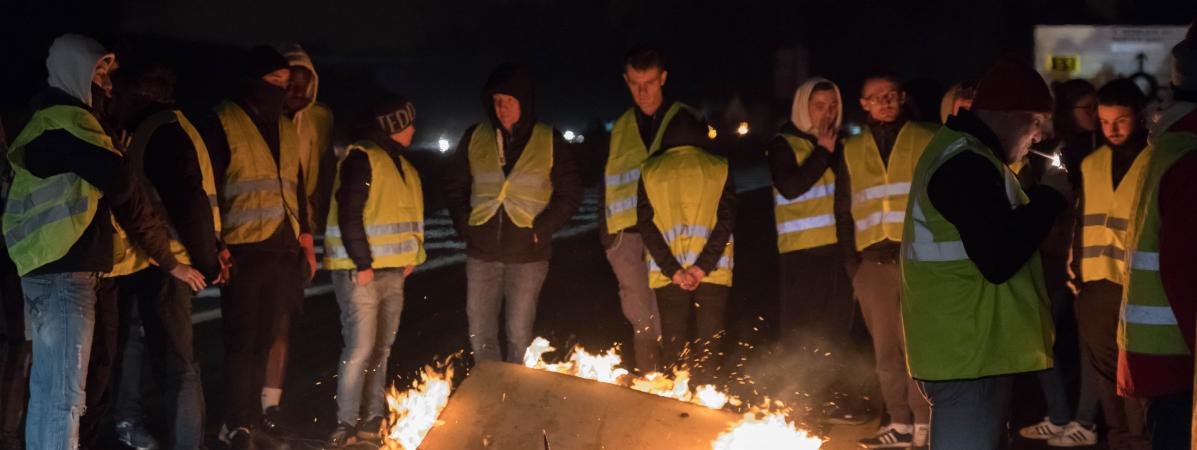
{"x":872,"y":182}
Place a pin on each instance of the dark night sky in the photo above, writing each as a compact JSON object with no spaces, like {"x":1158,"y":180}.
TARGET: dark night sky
{"x":439,"y":52}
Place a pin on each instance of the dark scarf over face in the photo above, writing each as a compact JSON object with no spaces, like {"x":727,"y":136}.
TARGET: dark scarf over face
{"x":263,"y":101}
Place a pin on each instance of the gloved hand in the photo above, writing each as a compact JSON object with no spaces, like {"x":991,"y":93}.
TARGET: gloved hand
{"x":309,"y":251}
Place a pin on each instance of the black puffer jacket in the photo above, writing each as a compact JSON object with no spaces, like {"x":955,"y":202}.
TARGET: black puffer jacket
{"x":499,"y":239}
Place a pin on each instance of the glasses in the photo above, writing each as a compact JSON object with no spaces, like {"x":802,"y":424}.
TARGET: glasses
{"x":888,"y":97}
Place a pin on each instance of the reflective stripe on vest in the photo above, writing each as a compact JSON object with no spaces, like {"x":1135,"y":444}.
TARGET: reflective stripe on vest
{"x":622,"y":173}
{"x":1106,"y":209}
{"x":1147,"y":324}
{"x":259,"y":193}
{"x":44,"y":217}
{"x":880,"y":189}
{"x":808,"y":220}
{"x":686,"y":223}
{"x":393,"y":215}
{"x":523,"y":193}
{"x":957,"y":324}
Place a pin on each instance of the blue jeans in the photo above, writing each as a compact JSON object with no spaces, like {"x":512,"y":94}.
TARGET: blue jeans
{"x":60,"y":315}
{"x":369,"y":322}
{"x":968,"y":414}
{"x":488,"y":283}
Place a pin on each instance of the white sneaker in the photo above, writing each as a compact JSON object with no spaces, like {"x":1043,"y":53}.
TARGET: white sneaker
{"x":922,"y":433}
{"x":1074,"y":435}
{"x":1041,"y":431}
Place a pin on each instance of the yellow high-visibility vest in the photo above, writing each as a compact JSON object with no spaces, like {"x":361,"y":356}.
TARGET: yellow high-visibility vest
{"x":393,"y":215}
{"x":258,"y":193}
{"x":44,"y":217}
{"x":1147,"y":325}
{"x":524,"y":192}
{"x":1106,"y":215}
{"x":684,"y":185}
{"x":880,"y":190}
{"x":806,"y":221}
{"x":956,"y":323}
{"x":627,"y":155}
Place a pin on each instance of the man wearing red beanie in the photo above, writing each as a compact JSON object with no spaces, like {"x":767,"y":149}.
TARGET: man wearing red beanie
{"x":974,"y":306}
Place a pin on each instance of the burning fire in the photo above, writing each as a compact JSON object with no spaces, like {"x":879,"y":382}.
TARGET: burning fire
{"x":770,"y":431}
{"x":415,"y":411}
{"x":766,"y":427}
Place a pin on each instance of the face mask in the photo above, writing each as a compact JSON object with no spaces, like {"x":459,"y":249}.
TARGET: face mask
{"x":265,"y":98}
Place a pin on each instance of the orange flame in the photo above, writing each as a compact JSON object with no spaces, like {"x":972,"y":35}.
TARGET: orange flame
{"x":413,"y":412}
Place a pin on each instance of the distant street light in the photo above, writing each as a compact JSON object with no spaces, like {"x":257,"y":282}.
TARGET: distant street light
{"x":442,"y":144}
{"x":711,"y":133}
{"x":742,"y":129}
{"x":568,"y":135}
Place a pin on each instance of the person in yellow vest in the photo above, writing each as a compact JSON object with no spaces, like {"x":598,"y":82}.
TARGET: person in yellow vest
{"x":975,"y":309}
{"x":509,"y":186}
{"x":171,"y":161}
{"x":872,"y":183}
{"x":635,"y":136}
{"x":686,"y":210}
{"x":816,"y":293}
{"x":1108,"y":179}
{"x":314,"y":125}
{"x":264,"y":211}
{"x":374,"y":240}
{"x":1159,"y":303}
{"x":71,"y":188}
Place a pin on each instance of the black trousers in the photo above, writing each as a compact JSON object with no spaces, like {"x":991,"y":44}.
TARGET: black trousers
{"x":816,"y":314}
{"x":708,"y":304}
{"x":1097,"y":308}
{"x":816,"y":300}
{"x":265,"y":289}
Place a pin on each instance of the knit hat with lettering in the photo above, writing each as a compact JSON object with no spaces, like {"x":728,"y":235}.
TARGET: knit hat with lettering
{"x":1012,"y":85}
{"x":388,"y":116}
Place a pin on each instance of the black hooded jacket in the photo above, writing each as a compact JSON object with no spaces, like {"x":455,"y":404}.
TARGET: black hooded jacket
{"x":687,"y":130}
{"x":499,"y":239}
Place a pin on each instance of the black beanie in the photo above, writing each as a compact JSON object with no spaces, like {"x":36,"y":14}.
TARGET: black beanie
{"x":392,"y":114}
{"x":263,"y":60}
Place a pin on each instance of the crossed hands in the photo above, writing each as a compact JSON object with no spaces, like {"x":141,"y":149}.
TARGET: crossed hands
{"x":689,"y":278}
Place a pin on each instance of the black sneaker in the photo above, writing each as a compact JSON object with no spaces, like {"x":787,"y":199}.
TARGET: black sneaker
{"x":370,"y":430}
{"x":342,"y":436}
{"x":890,"y":436}
{"x":272,"y":421}
{"x":266,"y":440}
{"x":241,"y":439}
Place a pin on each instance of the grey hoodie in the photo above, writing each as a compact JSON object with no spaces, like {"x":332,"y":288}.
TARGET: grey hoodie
{"x":72,"y":64}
